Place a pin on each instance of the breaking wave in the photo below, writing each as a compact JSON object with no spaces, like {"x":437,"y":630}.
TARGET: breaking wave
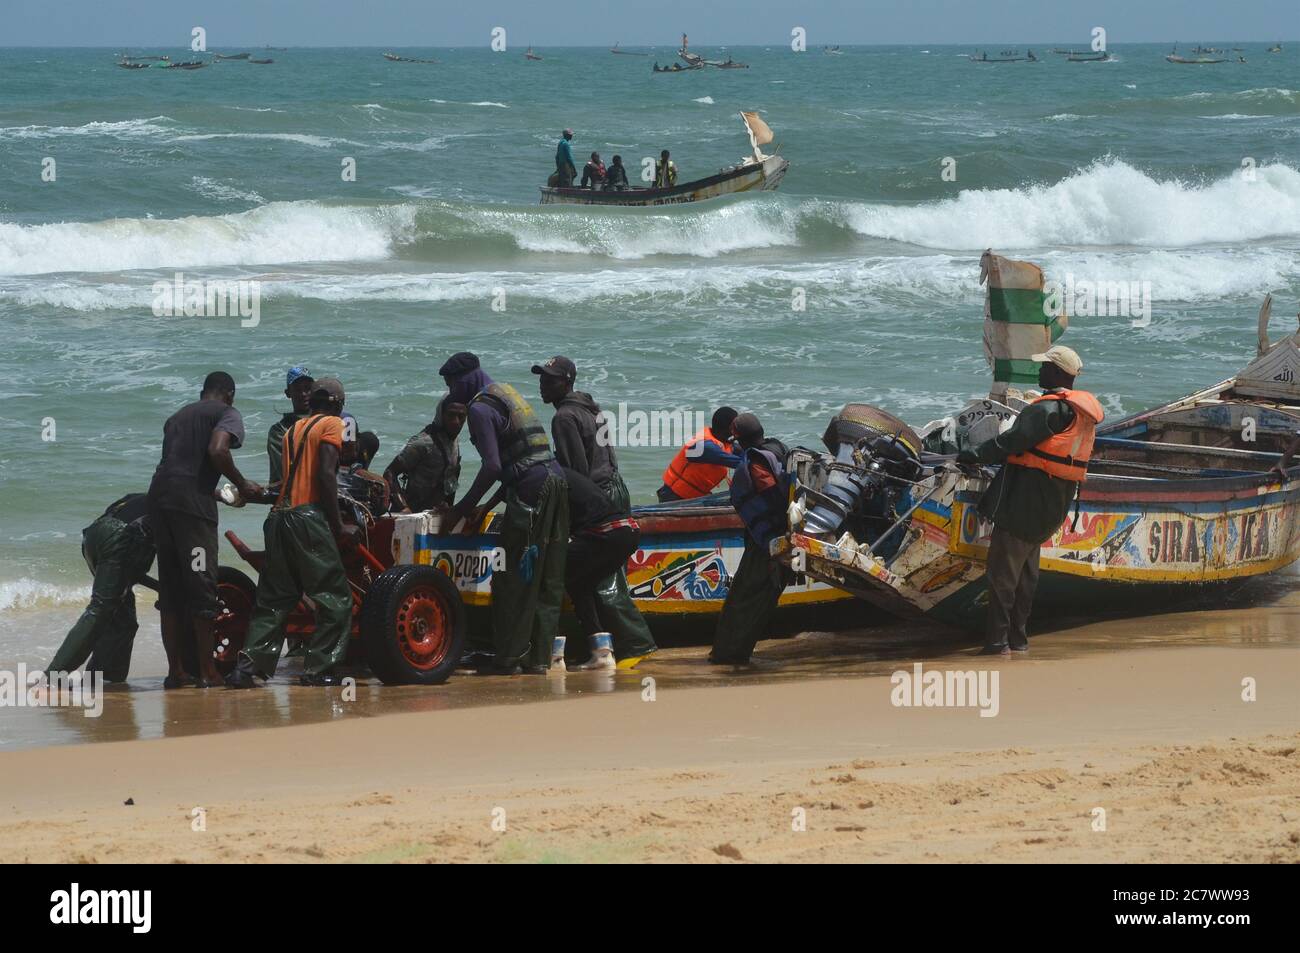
{"x":278,"y":232}
{"x":1107,"y":204}
{"x":25,"y":594}
{"x":866,"y":284}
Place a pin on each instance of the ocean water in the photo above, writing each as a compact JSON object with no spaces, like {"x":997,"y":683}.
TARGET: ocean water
{"x":1130,"y":170}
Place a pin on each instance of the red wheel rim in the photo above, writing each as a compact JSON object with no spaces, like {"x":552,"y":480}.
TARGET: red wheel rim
{"x":422,"y":628}
{"x":231,"y":627}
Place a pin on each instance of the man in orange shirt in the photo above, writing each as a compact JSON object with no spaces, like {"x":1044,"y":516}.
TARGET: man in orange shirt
{"x":304,"y":535}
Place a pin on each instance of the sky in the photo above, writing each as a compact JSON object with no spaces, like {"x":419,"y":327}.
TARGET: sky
{"x":439,"y":23}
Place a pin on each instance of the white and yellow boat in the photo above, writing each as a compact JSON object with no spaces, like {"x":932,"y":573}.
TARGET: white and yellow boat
{"x":756,"y":172}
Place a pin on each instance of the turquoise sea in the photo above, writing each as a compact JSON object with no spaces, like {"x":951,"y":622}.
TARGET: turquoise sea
{"x":1130,"y":170}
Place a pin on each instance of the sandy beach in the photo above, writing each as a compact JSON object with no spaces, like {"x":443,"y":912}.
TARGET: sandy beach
{"x":753,"y":767}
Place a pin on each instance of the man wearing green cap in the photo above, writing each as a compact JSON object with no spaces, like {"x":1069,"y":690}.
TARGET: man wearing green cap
{"x":304,"y":535}
{"x":1044,"y":457}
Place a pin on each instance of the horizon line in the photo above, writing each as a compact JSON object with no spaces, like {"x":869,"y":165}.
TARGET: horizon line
{"x":600,"y":46}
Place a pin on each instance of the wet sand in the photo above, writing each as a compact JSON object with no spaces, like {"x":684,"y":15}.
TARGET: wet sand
{"x":1142,"y":718}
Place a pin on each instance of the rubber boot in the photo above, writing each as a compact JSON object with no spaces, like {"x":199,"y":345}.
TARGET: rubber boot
{"x":602,"y":653}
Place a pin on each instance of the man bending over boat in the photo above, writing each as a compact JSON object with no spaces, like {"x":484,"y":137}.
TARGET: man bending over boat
{"x":528,"y":591}
{"x":702,"y":463}
{"x":1045,"y":457}
{"x":604,"y":537}
{"x":118,"y":548}
{"x":760,"y":494}
{"x":582,"y":446}
{"x":304,"y":535}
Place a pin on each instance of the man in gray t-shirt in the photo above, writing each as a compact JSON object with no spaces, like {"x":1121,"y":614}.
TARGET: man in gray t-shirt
{"x":196,"y":452}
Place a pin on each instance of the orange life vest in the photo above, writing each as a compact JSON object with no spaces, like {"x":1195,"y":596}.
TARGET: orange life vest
{"x":690,"y":479}
{"x":1067,"y":453}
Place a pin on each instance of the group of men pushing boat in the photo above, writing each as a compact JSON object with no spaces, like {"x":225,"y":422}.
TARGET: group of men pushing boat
{"x":567,"y":526}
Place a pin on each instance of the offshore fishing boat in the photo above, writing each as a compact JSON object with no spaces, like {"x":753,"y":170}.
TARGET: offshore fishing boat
{"x":1006,"y":57}
{"x":756,"y":172}
{"x":1102,"y":57}
{"x":676,"y":68}
{"x":1173,"y":57}
{"x":619,"y":52}
{"x":530,"y":55}
{"x":233,"y":56}
{"x":394,"y":58}
{"x":419,"y":590}
{"x":1177,"y":498}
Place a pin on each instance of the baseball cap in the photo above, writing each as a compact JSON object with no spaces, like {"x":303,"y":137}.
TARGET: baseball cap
{"x":1063,"y":357}
{"x":558,"y":366}
{"x":297,"y":372}
{"x":331,"y":386}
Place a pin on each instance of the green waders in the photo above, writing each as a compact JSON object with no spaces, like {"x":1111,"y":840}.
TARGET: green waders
{"x":752,"y":596}
{"x":119,"y":555}
{"x":301,"y":559}
{"x":528,"y":593}
{"x":618,"y":613}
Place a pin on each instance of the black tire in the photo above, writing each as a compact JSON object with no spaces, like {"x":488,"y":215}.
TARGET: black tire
{"x":413,"y":626}
{"x":238,"y":595}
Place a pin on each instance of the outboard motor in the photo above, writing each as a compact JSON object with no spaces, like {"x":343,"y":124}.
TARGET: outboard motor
{"x":876,"y":456}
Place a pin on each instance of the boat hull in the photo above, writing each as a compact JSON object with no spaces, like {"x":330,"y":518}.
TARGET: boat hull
{"x":762,"y":176}
{"x":1142,"y":539}
{"x":678,"y":578}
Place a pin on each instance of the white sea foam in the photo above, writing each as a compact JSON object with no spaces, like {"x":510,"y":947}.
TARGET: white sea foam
{"x":26,"y":594}
{"x":222,"y":191}
{"x":706,"y":100}
{"x":124,"y":129}
{"x":317,"y":142}
{"x":452,"y":102}
{"x":867,"y":284}
{"x":279,"y":232}
{"x":1107,"y":203}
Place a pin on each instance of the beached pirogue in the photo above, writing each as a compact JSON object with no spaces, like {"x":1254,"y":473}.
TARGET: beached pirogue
{"x":418,"y":591}
{"x":1176,"y":497}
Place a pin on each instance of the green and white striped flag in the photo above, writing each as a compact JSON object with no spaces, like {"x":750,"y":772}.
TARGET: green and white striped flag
{"x":1017,"y":324}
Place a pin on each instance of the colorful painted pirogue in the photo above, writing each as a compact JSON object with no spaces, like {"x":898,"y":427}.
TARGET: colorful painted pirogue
{"x":1176,"y":497}
{"x":418,"y":591}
